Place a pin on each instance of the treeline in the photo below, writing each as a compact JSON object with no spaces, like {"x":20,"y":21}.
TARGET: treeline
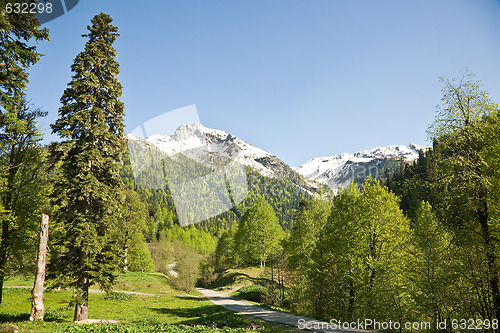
{"x":420,"y":246}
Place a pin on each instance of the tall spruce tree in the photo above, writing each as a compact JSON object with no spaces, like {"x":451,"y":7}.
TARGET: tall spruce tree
{"x":89,"y":189}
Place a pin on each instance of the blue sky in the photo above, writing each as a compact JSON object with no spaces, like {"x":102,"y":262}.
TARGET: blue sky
{"x":299,"y":79}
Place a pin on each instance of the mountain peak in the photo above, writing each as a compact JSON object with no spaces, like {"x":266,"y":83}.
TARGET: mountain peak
{"x":185,"y":131}
{"x":339,"y":170}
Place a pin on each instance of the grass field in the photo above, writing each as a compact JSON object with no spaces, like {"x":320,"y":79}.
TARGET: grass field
{"x":169,"y":310}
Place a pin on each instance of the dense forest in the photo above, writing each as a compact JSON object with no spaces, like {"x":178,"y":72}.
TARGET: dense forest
{"x":421,"y":244}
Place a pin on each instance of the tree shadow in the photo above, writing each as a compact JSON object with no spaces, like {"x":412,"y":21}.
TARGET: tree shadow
{"x":14,"y":317}
{"x":207,"y":315}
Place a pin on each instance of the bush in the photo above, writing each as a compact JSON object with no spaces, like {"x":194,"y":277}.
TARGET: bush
{"x":187,"y":267}
{"x":162,"y":252}
{"x":208,"y":272}
{"x":116,"y":296}
{"x":253,"y":293}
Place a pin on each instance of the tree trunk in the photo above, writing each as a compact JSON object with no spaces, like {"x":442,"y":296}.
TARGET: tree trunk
{"x":37,"y":308}
{"x":125,"y":260}
{"x":81,"y":306}
{"x":492,"y":261}
{"x":3,"y":254}
{"x":82,"y":293}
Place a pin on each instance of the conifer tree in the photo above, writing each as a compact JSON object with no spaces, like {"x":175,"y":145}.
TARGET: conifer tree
{"x":89,"y":189}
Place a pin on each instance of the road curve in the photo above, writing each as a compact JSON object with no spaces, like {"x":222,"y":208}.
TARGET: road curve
{"x":236,"y":305}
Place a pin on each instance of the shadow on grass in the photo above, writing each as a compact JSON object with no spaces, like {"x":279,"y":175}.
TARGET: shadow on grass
{"x":18,"y":317}
{"x":13,"y":318}
{"x":192,"y":298}
{"x":208,"y":315}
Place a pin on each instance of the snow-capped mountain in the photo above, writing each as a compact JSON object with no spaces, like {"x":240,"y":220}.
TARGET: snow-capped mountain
{"x":197,"y":142}
{"x":201,"y":144}
{"x":339,"y":170}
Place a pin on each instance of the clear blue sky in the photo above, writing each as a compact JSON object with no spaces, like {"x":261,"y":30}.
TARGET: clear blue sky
{"x":297,"y":78}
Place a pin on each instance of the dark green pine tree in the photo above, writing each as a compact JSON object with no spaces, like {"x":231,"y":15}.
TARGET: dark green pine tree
{"x":89,"y":188}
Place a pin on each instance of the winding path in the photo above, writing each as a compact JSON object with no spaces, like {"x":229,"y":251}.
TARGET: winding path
{"x":248,"y":309}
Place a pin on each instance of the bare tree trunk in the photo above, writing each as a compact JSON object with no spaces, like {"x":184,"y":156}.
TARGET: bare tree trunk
{"x":37,"y":308}
{"x":125,"y":260}
{"x":3,"y":254}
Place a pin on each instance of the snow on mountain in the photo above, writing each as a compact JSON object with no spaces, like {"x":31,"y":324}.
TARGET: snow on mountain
{"x":197,"y":142}
{"x":201,"y":144}
{"x":339,"y":170}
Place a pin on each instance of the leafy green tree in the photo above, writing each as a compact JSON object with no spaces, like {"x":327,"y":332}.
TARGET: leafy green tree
{"x":310,"y":220}
{"x":17,"y":55}
{"x":431,"y":269}
{"x":139,"y":256}
{"x":225,"y":254}
{"x":259,"y":233}
{"x":89,"y":187}
{"x":132,"y":229}
{"x":463,"y":162}
{"x":23,"y":188}
{"x":360,"y":255}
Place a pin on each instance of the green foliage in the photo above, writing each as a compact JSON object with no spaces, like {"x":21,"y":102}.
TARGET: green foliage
{"x":23,"y":188}
{"x":139,"y":256}
{"x":131,"y":233}
{"x":310,"y":220}
{"x":192,"y":237}
{"x":259,"y":233}
{"x":117,"y":296}
{"x":17,"y":55}
{"x":187,"y":267}
{"x":360,"y":255}
{"x":225,"y":254}
{"x":253,"y":292}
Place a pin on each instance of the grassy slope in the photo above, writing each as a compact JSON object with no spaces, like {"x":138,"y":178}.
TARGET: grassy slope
{"x":137,"y":313}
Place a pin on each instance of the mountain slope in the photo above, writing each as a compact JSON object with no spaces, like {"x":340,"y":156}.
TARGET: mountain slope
{"x":201,"y":144}
{"x":205,"y":169}
{"x":338,"y":171}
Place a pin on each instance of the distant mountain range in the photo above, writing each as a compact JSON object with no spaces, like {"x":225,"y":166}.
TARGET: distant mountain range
{"x":196,"y":142}
{"x":338,"y":171}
